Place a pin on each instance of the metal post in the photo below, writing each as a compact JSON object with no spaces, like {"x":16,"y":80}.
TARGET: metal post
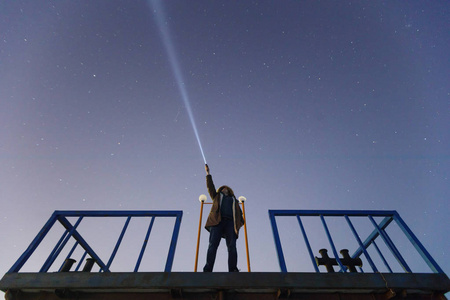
{"x":311,"y":255}
{"x":381,"y":256}
{"x":276,"y":238}
{"x":418,"y":245}
{"x":173,"y":242}
{"x":119,"y":241}
{"x":202,"y":200}
{"x":81,"y":261}
{"x":333,"y":248}
{"x":144,"y":245}
{"x":242,"y":200}
{"x":361,"y":245}
{"x":391,"y":246}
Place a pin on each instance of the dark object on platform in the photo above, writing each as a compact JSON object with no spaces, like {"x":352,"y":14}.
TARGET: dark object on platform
{"x":68,"y":263}
{"x":346,"y":260}
{"x":89,"y":264}
{"x":350,"y":262}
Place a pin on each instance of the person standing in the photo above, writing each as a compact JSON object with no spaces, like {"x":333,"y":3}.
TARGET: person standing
{"x":224,"y":221}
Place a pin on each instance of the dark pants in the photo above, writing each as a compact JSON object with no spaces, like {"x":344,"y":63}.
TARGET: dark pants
{"x":226,"y":228}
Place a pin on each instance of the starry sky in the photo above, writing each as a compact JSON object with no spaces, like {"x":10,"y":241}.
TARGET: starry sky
{"x":298,"y":105}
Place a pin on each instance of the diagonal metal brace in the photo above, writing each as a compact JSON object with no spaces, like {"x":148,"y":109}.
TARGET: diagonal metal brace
{"x":83,"y":243}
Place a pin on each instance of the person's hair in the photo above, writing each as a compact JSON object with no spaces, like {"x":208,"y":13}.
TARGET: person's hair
{"x":225,"y":186}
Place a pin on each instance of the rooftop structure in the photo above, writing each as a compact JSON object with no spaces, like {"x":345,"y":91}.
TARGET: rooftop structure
{"x":373,"y":267}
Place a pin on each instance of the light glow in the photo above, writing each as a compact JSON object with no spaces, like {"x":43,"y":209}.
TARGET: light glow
{"x":164,"y":31}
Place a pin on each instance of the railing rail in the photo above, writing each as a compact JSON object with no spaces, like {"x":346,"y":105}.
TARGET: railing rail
{"x":377,"y":247}
{"x":71,"y":232}
{"x":379,"y":230}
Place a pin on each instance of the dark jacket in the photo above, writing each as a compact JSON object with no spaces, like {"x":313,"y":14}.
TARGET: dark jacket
{"x":214,"y":216}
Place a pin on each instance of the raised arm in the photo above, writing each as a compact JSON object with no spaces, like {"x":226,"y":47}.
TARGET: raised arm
{"x":210,"y":184}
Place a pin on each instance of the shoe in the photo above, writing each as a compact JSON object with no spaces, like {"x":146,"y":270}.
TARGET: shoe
{"x":235,"y":270}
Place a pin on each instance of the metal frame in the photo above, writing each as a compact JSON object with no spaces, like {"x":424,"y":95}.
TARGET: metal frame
{"x":379,"y":231}
{"x":71,"y":231}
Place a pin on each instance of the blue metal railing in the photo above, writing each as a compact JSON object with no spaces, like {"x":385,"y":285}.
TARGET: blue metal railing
{"x":377,"y":240}
{"x":379,"y":230}
{"x":71,"y":232}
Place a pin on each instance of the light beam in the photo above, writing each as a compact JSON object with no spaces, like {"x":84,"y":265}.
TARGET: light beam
{"x":164,"y":31}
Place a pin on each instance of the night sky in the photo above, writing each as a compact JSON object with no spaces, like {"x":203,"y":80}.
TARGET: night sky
{"x":298,"y":105}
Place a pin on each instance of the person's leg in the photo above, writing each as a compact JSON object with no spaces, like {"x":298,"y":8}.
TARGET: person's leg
{"x":215,"y":235}
{"x":230,"y":236}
